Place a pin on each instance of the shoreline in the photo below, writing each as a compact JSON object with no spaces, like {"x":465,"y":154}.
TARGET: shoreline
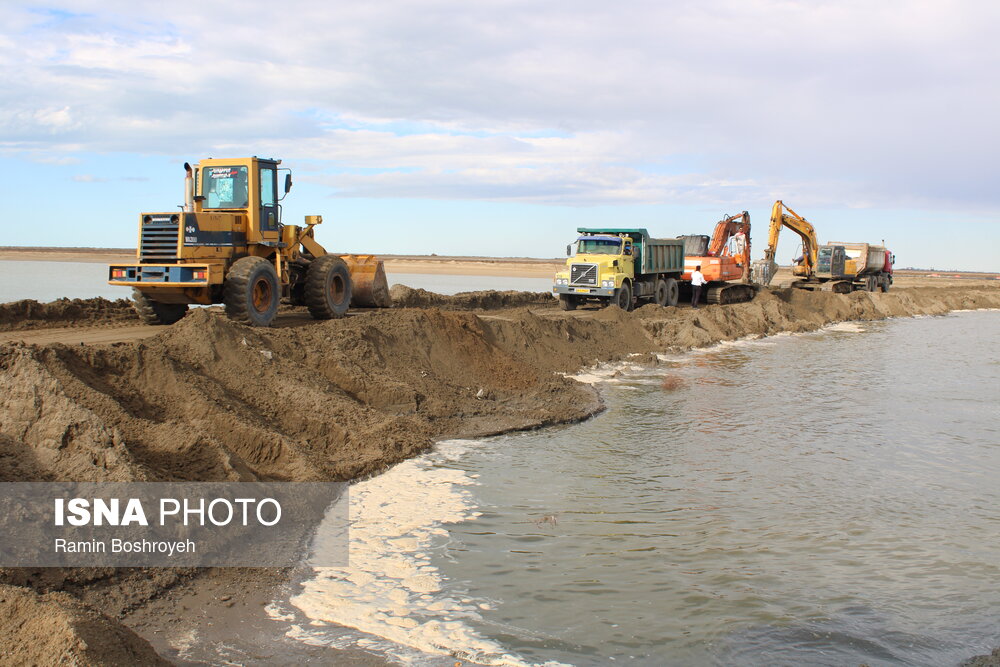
{"x":511,"y":267}
{"x":467,"y":347}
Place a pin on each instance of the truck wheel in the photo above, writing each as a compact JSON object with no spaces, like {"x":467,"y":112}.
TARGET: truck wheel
{"x":623,"y":297}
{"x":328,"y":287}
{"x":567,"y":302}
{"x":673,"y":292}
{"x":872,"y":283}
{"x":660,"y":293}
{"x":884,"y":284}
{"x":251,"y":292}
{"x":154,"y":312}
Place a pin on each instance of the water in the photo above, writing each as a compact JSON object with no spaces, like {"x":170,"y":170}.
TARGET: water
{"x":47,"y":281}
{"x":822,"y":499}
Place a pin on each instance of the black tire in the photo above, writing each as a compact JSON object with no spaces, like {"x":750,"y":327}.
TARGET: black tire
{"x":567,"y":302}
{"x":872,"y":283}
{"x":328,"y":287}
{"x":660,"y":293}
{"x":154,"y":312}
{"x":884,"y":284}
{"x":251,"y":292}
{"x":673,"y":292}
{"x":623,"y":297}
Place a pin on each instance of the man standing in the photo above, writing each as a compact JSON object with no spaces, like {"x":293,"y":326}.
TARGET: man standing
{"x":697,"y":280}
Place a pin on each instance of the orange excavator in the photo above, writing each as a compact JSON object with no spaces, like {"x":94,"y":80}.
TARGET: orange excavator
{"x":724,"y":260}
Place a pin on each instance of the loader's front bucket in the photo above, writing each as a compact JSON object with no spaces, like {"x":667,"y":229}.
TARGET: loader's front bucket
{"x":369,"y":287}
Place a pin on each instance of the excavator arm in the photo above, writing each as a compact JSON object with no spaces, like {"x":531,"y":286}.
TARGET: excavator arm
{"x":782,"y":216}
{"x":725,"y":229}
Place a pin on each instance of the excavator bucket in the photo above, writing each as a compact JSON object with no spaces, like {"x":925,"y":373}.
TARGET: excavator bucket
{"x":370,"y":289}
{"x":763,"y":270}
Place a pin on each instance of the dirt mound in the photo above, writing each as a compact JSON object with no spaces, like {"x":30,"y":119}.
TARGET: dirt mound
{"x":409,"y":297}
{"x":209,"y":399}
{"x":30,"y":314}
{"x":58,"y":629}
{"x":991,"y":660}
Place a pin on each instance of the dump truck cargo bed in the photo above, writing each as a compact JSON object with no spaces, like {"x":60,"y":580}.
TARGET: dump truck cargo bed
{"x":868,"y":258}
{"x":652,"y":255}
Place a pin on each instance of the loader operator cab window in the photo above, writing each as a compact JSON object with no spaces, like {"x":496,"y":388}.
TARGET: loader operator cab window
{"x":590,"y":245}
{"x":225,"y":187}
{"x":268,"y":199}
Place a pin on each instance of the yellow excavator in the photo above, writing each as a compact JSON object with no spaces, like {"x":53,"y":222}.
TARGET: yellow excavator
{"x":228,"y":245}
{"x":836,"y":267}
{"x":782,"y":216}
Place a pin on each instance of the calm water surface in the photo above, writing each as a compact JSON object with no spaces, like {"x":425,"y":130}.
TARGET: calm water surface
{"x":820,"y":499}
{"x":829,"y":498}
{"x":47,"y":281}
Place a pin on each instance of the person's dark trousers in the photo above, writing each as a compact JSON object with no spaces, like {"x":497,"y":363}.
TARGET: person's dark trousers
{"x":695,"y":295}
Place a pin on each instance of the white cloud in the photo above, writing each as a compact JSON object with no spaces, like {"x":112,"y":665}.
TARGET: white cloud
{"x":844,"y":102}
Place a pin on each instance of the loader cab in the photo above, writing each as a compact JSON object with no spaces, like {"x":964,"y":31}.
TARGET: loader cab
{"x":246,"y":186}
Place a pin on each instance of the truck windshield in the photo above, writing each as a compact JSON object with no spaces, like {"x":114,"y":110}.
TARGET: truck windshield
{"x":225,"y":187}
{"x":596,"y":246}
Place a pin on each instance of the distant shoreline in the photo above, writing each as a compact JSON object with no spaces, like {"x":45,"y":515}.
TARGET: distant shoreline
{"x":520,"y":267}
{"x":524,"y":267}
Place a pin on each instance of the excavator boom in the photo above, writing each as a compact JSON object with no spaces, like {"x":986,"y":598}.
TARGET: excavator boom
{"x":782,"y":216}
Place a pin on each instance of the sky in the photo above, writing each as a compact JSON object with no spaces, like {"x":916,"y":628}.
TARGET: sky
{"x":498,"y":127}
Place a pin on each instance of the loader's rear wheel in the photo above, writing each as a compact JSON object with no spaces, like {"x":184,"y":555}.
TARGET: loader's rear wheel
{"x":154,"y":312}
{"x":567,"y":302}
{"x":328,"y":287}
{"x":251,"y":292}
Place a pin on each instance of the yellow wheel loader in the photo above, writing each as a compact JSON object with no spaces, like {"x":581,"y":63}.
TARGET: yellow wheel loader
{"x":228,"y":245}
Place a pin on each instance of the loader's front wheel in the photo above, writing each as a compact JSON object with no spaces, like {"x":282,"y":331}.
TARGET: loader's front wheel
{"x":328,"y":287}
{"x":154,"y":312}
{"x":251,"y":292}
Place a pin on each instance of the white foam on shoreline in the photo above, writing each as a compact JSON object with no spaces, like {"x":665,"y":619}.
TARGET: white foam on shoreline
{"x":606,"y":372}
{"x":390,"y":590}
{"x":844,"y":327}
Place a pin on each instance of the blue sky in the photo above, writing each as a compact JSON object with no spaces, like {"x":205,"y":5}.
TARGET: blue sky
{"x":496,"y":128}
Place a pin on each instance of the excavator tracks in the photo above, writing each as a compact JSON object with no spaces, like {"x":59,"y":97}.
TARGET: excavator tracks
{"x":723,"y":294}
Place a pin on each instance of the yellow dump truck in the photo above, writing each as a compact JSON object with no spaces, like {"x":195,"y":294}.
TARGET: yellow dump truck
{"x":228,"y":245}
{"x":617,"y":265}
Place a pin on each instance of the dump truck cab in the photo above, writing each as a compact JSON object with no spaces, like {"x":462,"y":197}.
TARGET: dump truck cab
{"x":597,"y":265}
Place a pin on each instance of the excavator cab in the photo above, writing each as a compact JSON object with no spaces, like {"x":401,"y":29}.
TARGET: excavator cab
{"x":830,"y":261}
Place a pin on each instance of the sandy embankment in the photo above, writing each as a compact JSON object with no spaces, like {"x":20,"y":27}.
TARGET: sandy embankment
{"x":207,"y":399}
